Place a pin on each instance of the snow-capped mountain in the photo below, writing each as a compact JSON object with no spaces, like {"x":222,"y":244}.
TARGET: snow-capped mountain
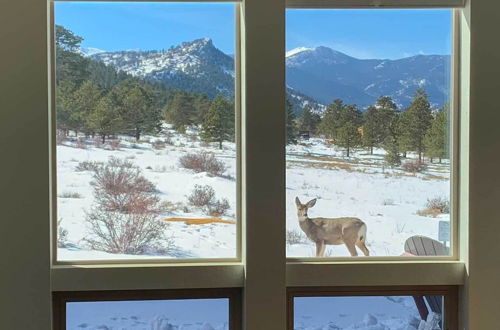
{"x":196,"y":66}
{"x":325,"y":74}
{"x":315,"y":76}
{"x":89,"y":51}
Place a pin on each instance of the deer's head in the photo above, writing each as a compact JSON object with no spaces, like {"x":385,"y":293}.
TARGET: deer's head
{"x":302,"y":208}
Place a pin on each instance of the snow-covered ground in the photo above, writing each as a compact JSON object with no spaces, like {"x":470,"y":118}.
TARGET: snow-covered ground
{"x":386,"y":199}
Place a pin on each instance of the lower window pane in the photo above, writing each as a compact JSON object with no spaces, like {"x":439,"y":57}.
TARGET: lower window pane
{"x":186,"y":314}
{"x":369,"y":313}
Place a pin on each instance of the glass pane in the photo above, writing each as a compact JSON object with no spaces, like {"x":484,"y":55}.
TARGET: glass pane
{"x":368,"y":132}
{"x":146,"y":153}
{"x":369,"y":313}
{"x":188,"y":314}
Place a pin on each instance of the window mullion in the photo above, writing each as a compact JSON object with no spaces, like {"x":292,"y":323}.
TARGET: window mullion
{"x":263,"y":100}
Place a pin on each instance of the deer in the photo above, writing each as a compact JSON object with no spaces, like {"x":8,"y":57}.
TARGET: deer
{"x":332,"y":231}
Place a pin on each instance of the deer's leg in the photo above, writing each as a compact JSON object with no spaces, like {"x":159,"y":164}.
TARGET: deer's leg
{"x":320,"y":248}
{"x":361,"y":245}
{"x":352,"y":248}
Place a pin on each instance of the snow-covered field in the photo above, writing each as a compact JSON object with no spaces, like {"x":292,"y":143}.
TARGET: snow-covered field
{"x":386,"y":199}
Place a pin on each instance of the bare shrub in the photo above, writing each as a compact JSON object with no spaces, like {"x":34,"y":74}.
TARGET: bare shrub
{"x":114,"y":145}
{"x":132,"y":233}
{"x":124,"y":218}
{"x":158,"y":144}
{"x":98,"y":143}
{"x":219,"y":208}
{"x":88,"y":166}
{"x":69,"y":194}
{"x":120,"y":186}
{"x":295,"y":237}
{"x":62,"y":235}
{"x":202,"y":196}
{"x":439,"y":203}
{"x":435,"y":206}
{"x":169,"y":207}
{"x":60,"y":137}
{"x":203,"y":162}
{"x":80,"y":144}
{"x":414,"y":166}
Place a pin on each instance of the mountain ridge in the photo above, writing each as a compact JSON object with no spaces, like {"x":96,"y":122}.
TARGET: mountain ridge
{"x":315,"y":76}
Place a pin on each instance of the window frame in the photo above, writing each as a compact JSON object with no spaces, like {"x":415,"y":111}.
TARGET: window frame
{"x":450,"y":294}
{"x":53,"y":149}
{"x":60,"y":298}
{"x":262,"y":270}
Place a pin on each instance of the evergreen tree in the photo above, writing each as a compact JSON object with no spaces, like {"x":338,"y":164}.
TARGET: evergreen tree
{"x":64,"y":105}
{"x":436,"y":137}
{"x":291,"y":125}
{"x":309,"y":121}
{"x":136,"y":108}
{"x":218,"y":125}
{"x":201,"y":104}
{"x":69,"y":64}
{"x":180,"y":111}
{"x":377,"y":120}
{"x":105,"y":119}
{"x":415,"y":122}
{"x":348,"y":133}
{"x":82,"y":103}
{"x":330,"y":123}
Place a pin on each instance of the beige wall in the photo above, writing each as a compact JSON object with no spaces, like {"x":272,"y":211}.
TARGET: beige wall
{"x":24,"y":204}
{"x":24,"y":234}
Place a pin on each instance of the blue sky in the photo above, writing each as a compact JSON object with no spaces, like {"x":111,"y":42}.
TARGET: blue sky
{"x":214,"y":311}
{"x":376,"y":33}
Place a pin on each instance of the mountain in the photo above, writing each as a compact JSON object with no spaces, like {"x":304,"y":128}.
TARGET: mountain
{"x":325,"y":74}
{"x":196,"y":66}
{"x":89,"y":51}
{"x":314,"y":76}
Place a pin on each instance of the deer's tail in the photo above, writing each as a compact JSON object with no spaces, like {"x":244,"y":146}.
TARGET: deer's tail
{"x":362,"y":233}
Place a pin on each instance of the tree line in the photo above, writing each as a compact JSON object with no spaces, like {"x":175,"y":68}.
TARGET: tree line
{"x":416,"y":129}
{"x":97,"y":100}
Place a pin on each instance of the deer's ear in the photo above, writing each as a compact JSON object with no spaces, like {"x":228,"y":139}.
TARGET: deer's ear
{"x":311,"y":203}
{"x":297,"y":201}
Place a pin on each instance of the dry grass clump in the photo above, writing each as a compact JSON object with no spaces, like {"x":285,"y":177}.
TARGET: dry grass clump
{"x":435,"y":207}
{"x":414,"y":166}
{"x":69,"y":194}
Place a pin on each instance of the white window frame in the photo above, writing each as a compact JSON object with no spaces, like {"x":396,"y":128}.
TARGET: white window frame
{"x":263,"y":271}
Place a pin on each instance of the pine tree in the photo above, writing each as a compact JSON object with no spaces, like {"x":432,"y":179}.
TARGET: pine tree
{"x":291,"y":125}
{"x":180,"y":111}
{"x":330,"y":123}
{"x":436,"y":137}
{"x":105,"y":119}
{"x":82,"y":103}
{"x":218,"y":125}
{"x":201,"y":104}
{"x":348,"y":135}
{"x":69,"y":64}
{"x":415,"y":122}
{"x":377,"y":120}
{"x":136,"y":108}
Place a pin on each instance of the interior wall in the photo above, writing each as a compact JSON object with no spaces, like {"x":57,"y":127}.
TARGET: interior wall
{"x":484,"y":168}
{"x":24,"y":183}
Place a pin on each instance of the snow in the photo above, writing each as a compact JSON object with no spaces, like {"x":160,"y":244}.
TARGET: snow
{"x":297,"y":50}
{"x":387,"y":200}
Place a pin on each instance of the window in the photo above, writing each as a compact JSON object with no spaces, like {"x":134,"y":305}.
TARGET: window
{"x":373,"y":309}
{"x":88,"y":274}
{"x":146,"y":131}
{"x":369,"y":138}
{"x":174,"y":309}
